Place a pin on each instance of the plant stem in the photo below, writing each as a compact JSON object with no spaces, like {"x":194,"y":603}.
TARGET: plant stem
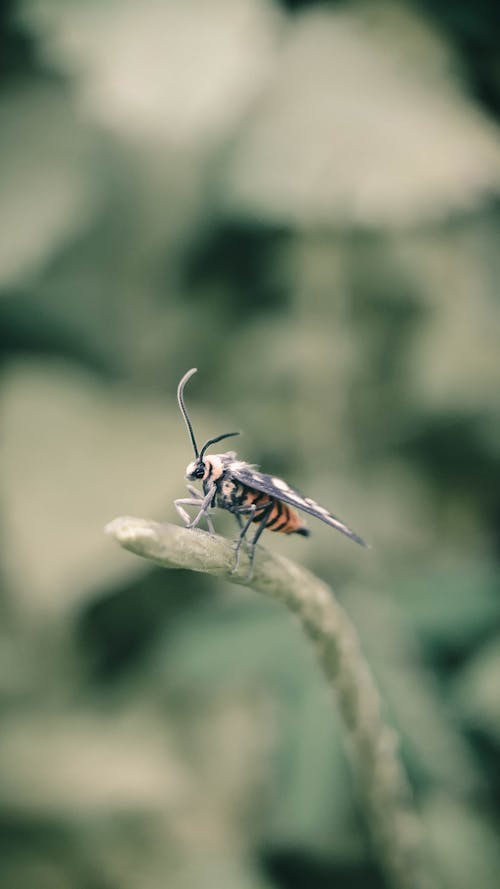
{"x":371,"y":744}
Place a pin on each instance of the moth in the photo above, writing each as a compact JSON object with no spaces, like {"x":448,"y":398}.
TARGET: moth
{"x":253,"y":497}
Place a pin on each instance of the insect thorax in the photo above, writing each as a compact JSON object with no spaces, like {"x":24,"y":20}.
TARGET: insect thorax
{"x":229,"y":492}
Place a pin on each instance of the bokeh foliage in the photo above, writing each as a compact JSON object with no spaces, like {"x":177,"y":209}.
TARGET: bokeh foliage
{"x":302,"y":201}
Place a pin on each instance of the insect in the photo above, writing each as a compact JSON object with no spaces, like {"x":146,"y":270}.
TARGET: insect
{"x":251,"y":496}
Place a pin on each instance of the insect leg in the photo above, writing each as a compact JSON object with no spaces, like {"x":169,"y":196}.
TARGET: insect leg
{"x":243,"y":530}
{"x":186,"y":518}
{"x":194,"y":491}
{"x":262,"y":524}
{"x":204,"y":505}
{"x":185,"y":501}
{"x":253,"y":542}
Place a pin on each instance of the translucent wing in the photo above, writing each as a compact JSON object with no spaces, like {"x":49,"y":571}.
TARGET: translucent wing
{"x":279,"y":489}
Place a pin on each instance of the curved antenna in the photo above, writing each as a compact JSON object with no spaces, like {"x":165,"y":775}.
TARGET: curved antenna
{"x":212,"y":441}
{"x":180,"y":390}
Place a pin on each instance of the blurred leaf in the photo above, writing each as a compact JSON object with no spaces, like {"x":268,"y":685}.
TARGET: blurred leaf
{"x":75,"y":454}
{"x":249,"y":644}
{"x":123,"y":765}
{"x":454,"y":359}
{"x":362,"y":124}
{"x":121,"y":796}
{"x":464,"y":843}
{"x":477,"y":689}
{"x":314,"y":804}
{"x":181,"y":73}
{"x":433,"y":746}
{"x":48,"y":192}
{"x":453,"y":605}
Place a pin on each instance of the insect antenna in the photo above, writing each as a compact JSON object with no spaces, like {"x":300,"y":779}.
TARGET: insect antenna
{"x":180,"y":398}
{"x":212,"y":441}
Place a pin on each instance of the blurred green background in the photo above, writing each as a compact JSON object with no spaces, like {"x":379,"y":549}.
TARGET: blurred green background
{"x":301,"y":200}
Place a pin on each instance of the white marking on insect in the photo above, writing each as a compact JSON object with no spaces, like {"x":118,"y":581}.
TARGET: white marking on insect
{"x":217,"y":465}
{"x":279,"y":483}
{"x":321,"y":509}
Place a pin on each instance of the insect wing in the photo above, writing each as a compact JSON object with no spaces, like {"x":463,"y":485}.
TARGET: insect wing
{"x":276,"y":487}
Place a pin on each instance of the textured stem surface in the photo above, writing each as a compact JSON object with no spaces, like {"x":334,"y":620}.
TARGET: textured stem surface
{"x":371,"y":744}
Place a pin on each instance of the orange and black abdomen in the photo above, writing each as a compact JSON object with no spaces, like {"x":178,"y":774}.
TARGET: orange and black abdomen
{"x":281,"y":517}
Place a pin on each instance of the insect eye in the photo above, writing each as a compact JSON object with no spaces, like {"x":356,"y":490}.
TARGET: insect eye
{"x":199,"y":471}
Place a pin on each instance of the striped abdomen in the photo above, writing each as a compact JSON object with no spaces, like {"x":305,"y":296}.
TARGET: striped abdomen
{"x":281,"y":517}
